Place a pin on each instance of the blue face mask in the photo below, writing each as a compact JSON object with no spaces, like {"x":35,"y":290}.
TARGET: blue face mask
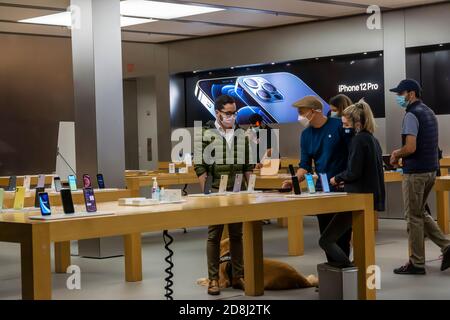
{"x":401,"y":101}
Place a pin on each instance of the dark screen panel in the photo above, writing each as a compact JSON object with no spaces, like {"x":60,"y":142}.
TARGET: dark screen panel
{"x":436,"y":80}
{"x":362,"y":75}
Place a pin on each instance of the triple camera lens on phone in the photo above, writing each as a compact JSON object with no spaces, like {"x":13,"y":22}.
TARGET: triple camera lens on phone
{"x":263,"y":89}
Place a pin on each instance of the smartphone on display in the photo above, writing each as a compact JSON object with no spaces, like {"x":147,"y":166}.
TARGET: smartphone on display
{"x":251,"y":183}
{"x":44,"y":204}
{"x":100,"y":181}
{"x":223,"y":184}
{"x":27,"y":182}
{"x":310,"y":183}
{"x":36,"y":196}
{"x":41,"y":181}
{"x":89,"y":200}
{"x":12,"y":183}
{"x":72,"y":182}
{"x":291,"y":170}
{"x":238,"y":182}
{"x":87,"y":183}
{"x":276,"y":92}
{"x":19,"y":198}
{"x":57,"y":182}
{"x":325,"y":183}
{"x":2,"y":197}
{"x":67,"y":202}
{"x":208,"y":185}
{"x":296,"y":185}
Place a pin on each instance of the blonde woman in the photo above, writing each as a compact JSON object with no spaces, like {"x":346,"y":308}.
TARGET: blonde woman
{"x":364,"y":174}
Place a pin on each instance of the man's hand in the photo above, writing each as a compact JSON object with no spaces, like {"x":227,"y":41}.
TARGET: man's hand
{"x":395,"y":157}
{"x":259,"y":166}
{"x":333,"y":182}
{"x":287,"y":184}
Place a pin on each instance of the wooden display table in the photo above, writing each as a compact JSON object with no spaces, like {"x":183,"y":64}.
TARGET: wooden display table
{"x":101,"y":195}
{"x":442,"y":188}
{"x":35,"y":237}
{"x":4,"y":181}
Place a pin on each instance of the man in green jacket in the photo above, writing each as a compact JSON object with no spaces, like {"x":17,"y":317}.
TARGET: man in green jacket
{"x":224,"y":129}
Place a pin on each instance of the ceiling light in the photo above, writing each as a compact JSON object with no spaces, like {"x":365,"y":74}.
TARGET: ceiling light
{"x":129,"y":21}
{"x":441,"y":45}
{"x":65,"y":19}
{"x":162,"y":10}
{"x":365,"y":53}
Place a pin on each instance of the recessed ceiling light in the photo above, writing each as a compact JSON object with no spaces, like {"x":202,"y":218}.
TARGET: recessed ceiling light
{"x":381,"y":54}
{"x":365,"y":53}
{"x":441,"y":45}
{"x":232,"y":68}
{"x":64,"y":19}
{"x":273,"y":63}
{"x":331,"y":60}
{"x":162,"y":10}
{"x":317,"y":58}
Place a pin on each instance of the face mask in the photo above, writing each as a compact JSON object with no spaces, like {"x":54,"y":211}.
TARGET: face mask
{"x":401,"y":101}
{"x":304,"y":121}
{"x":228,"y":122}
{"x":334,"y":114}
{"x":255,"y":130}
{"x":349,"y":132}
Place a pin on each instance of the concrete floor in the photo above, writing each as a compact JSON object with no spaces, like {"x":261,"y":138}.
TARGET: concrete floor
{"x":104,"y":279}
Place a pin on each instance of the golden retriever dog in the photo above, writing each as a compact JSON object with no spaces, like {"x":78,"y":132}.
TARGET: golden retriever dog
{"x":277,"y":275}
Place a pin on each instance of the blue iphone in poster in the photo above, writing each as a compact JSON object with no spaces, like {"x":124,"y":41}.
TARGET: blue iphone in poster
{"x":275,"y":93}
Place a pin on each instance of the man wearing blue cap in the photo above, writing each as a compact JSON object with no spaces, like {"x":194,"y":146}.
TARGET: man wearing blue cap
{"x":420,"y":163}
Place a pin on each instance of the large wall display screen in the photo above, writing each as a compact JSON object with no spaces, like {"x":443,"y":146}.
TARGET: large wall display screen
{"x":431,"y":67}
{"x":270,"y":90}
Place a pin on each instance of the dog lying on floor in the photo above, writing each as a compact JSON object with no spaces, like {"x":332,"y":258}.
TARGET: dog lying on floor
{"x":277,"y":275}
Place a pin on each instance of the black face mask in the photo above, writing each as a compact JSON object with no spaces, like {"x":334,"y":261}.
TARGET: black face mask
{"x":349,"y":133}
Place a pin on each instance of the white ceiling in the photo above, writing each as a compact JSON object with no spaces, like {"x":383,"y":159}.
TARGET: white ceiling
{"x":239,"y":15}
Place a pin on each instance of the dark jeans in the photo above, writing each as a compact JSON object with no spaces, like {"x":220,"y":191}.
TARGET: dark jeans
{"x":335,"y":236}
{"x":236,"y":250}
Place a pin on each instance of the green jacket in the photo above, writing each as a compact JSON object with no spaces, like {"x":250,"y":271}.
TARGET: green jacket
{"x":217,"y":169}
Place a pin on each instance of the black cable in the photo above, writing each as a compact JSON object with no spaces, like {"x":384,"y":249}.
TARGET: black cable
{"x":185,"y":193}
{"x":168,"y":240}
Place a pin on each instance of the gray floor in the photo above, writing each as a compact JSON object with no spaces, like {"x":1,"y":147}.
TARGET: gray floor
{"x":104,"y":279}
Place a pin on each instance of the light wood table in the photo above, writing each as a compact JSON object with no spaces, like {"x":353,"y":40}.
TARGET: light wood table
{"x":62,"y":249}
{"x":35,"y":237}
{"x":445,"y":165}
{"x":101,"y":195}
{"x":442,"y":187}
{"x":134,"y":183}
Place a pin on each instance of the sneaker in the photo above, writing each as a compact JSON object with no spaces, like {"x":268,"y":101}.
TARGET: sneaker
{"x":409,"y":268}
{"x":445,"y":260}
{"x":213,"y":288}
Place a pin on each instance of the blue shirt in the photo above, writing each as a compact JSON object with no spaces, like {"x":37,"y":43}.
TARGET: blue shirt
{"x":327,"y":146}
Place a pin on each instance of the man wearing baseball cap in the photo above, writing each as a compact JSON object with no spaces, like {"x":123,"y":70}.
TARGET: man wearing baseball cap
{"x":325,"y":142}
{"x":419,"y":154}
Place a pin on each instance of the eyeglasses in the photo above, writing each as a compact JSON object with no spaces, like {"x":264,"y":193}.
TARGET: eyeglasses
{"x":229,"y":114}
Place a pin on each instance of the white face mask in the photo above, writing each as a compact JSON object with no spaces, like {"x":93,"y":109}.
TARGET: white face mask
{"x":334,"y":114}
{"x":304,"y":121}
{"x":228,"y":122}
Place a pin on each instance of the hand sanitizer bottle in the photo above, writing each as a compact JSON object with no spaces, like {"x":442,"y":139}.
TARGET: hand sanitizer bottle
{"x":155,"y":190}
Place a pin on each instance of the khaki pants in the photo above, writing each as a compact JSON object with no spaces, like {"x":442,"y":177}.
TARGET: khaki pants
{"x":416,"y":189}
{"x":236,"y":250}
